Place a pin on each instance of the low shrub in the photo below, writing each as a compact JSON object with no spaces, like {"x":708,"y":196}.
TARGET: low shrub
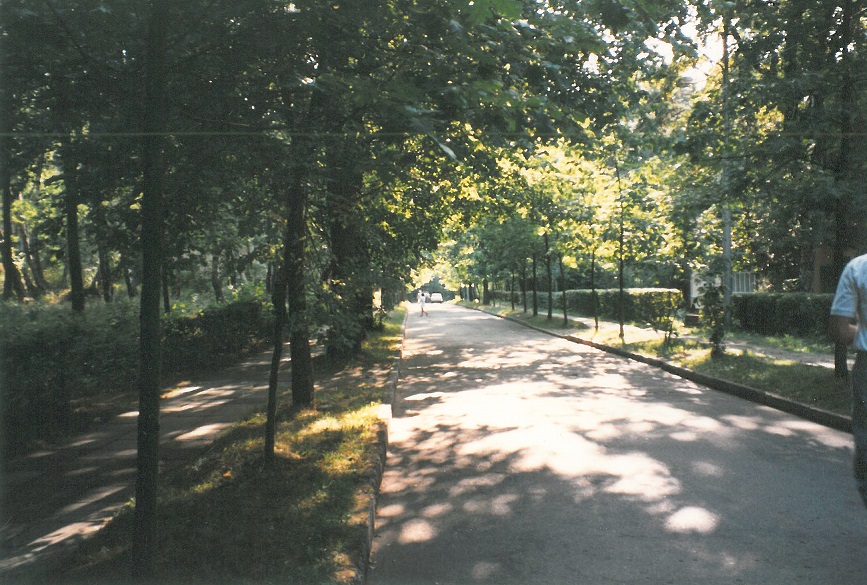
{"x":52,"y":359}
{"x":654,"y":306}
{"x":798,"y":314}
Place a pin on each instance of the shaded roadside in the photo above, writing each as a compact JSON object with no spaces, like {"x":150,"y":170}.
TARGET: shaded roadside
{"x":53,"y":499}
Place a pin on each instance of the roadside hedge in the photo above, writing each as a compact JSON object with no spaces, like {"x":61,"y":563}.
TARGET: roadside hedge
{"x":798,"y":314}
{"x":52,"y":359}
{"x":654,"y":306}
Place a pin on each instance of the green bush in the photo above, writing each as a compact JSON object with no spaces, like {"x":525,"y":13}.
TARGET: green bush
{"x":51,"y":358}
{"x":654,"y":306}
{"x":798,"y":314}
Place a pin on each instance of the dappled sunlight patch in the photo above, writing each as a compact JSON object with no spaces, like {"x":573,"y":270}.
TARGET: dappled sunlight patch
{"x":416,"y":530}
{"x":471,"y":484}
{"x":484,"y":570}
{"x":390,"y":511}
{"x":424,"y":396}
{"x":707,"y":469}
{"x":692,"y":519}
{"x":437,"y":510}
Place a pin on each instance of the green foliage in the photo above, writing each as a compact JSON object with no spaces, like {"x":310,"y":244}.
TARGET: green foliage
{"x":213,"y":334}
{"x":713,"y":311}
{"x":799,"y":314}
{"x":52,"y":361}
{"x":654,"y":306}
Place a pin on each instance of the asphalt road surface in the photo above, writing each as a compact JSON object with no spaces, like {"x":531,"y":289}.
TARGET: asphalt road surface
{"x":517,"y":457}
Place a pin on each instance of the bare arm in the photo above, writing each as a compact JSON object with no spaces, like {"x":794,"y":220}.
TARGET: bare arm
{"x":843,"y":329}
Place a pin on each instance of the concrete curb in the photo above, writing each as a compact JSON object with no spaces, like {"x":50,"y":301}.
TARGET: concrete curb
{"x":810,"y":413}
{"x":363,"y":563}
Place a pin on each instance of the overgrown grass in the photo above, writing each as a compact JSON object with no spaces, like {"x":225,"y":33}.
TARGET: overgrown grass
{"x":229,"y":517}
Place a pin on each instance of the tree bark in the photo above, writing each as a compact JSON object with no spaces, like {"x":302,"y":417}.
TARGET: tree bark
{"x":34,"y":262}
{"x":535,"y":295}
{"x":563,"y":291}
{"x":278,"y":299}
{"x":216,"y":283}
{"x":299,"y":334}
{"x":105,"y":271}
{"x":12,"y":285}
{"x":549,"y":275}
{"x":593,"y":298}
{"x":843,"y":165}
{"x":144,"y":534}
{"x":73,"y":243}
{"x":131,"y":290}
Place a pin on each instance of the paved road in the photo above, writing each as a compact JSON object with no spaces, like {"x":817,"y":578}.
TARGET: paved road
{"x":517,"y":457}
{"x":54,"y":498}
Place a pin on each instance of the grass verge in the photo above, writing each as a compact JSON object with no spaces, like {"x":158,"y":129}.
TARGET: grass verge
{"x":227,"y":518}
{"x":812,"y":385}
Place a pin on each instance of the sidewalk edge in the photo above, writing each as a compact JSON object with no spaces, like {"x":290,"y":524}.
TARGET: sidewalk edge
{"x":363,"y":563}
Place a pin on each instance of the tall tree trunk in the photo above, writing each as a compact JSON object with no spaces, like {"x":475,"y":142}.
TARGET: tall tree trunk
{"x":299,"y":334}
{"x":131,"y":290}
{"x":278,"y":299}
{"x":167,"y":301}
{"x":535,"y":288}
{"x":73,"y":243}
{"x":144,"y":534}
{"x":549,"y":275}
{"x":512,"y":291}
{"x":843,"y":165}
{"x":524,"y":284}
{"x":12,"y":285}
{"x":593,"y":297}
{"x":28,"y":244}
{"x":216,"y":283}
{"x":563,"y":291}
{"x":105,"y":271}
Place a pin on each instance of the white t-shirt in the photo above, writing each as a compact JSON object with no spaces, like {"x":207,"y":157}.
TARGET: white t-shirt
{"x":850,"y":300}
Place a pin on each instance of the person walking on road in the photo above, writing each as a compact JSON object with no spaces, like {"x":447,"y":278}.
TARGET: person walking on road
{"x":422,"y":299}
{"x":848,"y":313}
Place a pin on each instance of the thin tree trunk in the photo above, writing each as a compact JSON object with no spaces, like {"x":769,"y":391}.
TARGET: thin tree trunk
{"x":216,"y":283}
{"x":593,"y":296}
{"x":131,"y":290}
{"x":12,"y":285}
{"x":73,"y":244}
{"x":299,"y":335}
{"x":144,"y":533}
{"x":524,"y":284}
{"x":563,"y":291}
{"x":104,"y":271}
{"x":167,"y":301}
{"x":549,"y":275}
{"x":278,"y":299}
{"x":535,"y":295}
{"x":34,"y":262}
{"x":512,"y":291}
{"x":843,"y":170}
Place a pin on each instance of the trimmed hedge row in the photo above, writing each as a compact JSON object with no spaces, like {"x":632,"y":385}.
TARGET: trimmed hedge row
{"x":50,"y":358}
{"x":640,"y":305}
{"x":799,"y":314}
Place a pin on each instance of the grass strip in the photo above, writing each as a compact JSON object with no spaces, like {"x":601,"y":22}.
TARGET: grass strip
{"x":811,"y":385}
{"x":228,"y":518}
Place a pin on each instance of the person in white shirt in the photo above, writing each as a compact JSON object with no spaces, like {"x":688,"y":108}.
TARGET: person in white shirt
{"x":848,"y":326}
{"x":422,"y":299}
